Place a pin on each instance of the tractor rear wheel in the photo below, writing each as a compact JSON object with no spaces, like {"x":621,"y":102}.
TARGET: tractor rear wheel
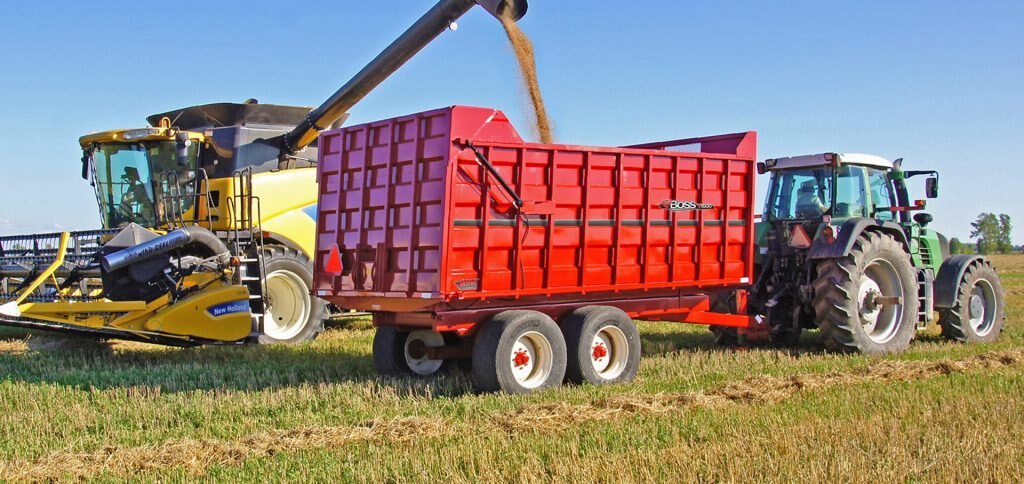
{"x":292,"y":314}
{"x":979,"y":312}
{"x":867,"y":301}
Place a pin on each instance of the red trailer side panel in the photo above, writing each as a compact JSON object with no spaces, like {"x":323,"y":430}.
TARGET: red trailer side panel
{"x":417,"y":218}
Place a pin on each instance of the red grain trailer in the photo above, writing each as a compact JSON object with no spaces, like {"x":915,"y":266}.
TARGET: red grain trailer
{"x":464,"y":241}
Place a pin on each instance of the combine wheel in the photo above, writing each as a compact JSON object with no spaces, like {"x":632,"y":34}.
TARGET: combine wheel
{"x":867,"y":302}
{"x":603,"y":345}
{"x":979,"y":312}
{"x":292,"y":315}
{"x":397,"y":353}
{"x":518,"y":352}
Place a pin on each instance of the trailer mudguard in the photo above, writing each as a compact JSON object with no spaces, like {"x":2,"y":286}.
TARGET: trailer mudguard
{"x":847,"y":235}
{"x":947,"y":282}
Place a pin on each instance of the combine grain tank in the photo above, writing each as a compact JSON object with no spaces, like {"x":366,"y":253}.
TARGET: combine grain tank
{"x":531,"y":260}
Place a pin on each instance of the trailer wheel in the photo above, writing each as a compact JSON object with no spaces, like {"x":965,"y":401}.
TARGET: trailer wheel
{"x":850,"y":298}
{"x":603,"y":345}
{"x":389,"y":351}
{"x":292,"y":314}
{"x":397,"y":353}
{"x":518,"y":352}
{"x":979,"y":312}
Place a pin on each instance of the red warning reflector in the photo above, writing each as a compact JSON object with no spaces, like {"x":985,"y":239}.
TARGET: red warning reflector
{"x":798,"y":237}
{"x":334,"y":261}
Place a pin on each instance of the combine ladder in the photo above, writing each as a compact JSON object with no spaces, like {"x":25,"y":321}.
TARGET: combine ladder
{"x":246,"y":242}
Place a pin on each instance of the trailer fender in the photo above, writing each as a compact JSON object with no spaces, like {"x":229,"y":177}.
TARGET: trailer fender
{"x":847,"y":235}
{"x":947,"y":282}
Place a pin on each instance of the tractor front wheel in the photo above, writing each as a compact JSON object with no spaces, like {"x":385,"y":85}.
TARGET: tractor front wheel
{"x":979,"y":312}
{"x":867,"y":301}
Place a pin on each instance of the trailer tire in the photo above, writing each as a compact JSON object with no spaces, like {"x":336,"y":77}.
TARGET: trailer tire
{"x":300,"y":315}
{"x":603,"y":346}
{"x":389,"y":351}
{"x":518,"y":352}
{"x":979,"y":312}
{"x":844,"y":292}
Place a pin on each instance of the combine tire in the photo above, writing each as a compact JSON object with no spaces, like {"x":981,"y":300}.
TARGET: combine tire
{"x":292,"y":314}
{"x":518,"y":352}
{"x":603,"y":345}
{"x":856,"y":298}
{"x":979,"y":312}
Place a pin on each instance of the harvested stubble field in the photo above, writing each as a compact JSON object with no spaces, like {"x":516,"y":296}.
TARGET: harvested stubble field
{"x":940,"y":412}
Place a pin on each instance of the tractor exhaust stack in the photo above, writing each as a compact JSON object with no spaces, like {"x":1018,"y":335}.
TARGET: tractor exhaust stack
{"x":425,"y":30}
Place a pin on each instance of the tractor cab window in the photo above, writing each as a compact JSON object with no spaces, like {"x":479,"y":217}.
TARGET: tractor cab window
{"x":882,"y":198}
{"x":129,"y":180}
{"x":803,"y":193}
{"x":851,"y":196}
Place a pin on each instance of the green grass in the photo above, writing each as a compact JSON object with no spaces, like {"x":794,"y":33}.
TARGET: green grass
{"x":59,"y":402}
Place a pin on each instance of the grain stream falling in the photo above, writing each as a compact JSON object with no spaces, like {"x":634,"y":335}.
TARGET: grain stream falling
{"x":523,"y":49}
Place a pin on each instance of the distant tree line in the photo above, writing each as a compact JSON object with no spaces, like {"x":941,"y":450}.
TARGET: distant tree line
{"x":993,"y":234}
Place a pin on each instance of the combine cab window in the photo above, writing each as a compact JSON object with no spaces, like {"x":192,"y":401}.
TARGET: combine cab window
{"x":129,"y":180}
{"x":804,"y":193}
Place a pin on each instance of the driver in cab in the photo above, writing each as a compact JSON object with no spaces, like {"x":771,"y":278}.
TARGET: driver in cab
{"x":808,"y":204}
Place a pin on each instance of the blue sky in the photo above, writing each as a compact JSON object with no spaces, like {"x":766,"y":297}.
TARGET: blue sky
{"x":936,"y":82}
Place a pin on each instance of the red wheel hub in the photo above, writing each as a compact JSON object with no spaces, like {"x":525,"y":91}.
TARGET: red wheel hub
{"x":600,"y":351}
{"x":520,"y":358}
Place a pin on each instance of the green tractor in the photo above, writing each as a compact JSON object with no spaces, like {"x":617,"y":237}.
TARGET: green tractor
{"x":842,"y":248}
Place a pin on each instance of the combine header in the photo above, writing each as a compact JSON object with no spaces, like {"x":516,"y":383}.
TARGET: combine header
{"x":208,"y":220}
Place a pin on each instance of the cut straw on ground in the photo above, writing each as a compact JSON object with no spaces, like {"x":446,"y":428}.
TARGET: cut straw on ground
{"x":198,"y":456}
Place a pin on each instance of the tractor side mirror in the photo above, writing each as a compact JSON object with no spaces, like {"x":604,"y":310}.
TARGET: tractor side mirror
{"x":762,"y":168}
{"x":931,"y":187}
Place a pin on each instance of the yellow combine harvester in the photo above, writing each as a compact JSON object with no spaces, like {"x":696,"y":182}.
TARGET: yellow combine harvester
{"x":208,"y":220}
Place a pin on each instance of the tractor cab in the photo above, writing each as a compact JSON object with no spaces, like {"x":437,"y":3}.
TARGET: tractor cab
{"x":811,"y":197}
{"x":830,"y":185}
{"x":841,"y":249}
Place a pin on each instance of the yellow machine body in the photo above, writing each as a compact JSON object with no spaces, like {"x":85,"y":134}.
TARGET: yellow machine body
{"x":212,"y":309}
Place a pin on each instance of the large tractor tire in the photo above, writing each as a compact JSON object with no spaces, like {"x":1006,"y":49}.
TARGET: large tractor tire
{"x":979,"y":312}
{"x":867,"y":302}
{"x":292,"y":314}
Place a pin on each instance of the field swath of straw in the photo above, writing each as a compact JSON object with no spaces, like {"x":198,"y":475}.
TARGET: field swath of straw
{"x":74,"y":410}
